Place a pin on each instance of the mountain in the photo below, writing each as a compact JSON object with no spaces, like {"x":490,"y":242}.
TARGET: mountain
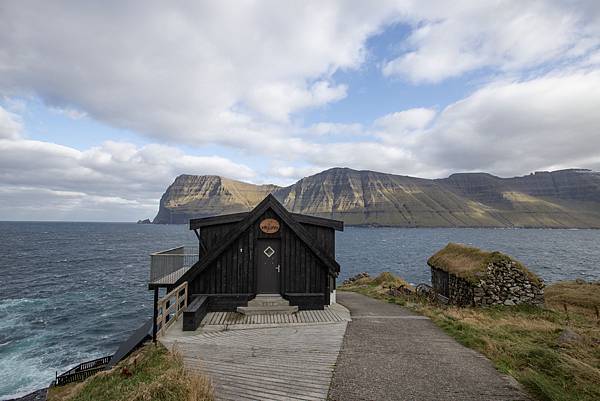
{"x":565,"y":198}
{"x":207,"y":195}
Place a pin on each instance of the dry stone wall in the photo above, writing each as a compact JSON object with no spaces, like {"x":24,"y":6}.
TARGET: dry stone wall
{"x":505,"y":284}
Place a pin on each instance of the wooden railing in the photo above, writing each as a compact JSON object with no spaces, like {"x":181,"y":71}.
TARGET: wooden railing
{"x":170,"y":307}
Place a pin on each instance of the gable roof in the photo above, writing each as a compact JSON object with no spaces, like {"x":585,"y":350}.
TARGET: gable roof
{"x":270,"y":202}
{"x":235,"y":217}
{"x":470,"y":263}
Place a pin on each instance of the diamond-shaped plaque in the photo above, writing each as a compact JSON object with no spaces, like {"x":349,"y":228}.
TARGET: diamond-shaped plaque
{"x":269,"y":251}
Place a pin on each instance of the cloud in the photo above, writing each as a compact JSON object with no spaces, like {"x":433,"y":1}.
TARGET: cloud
{"x":278,"y":100}
{"x":32,"y":203}
{"x":199,"y":72}
{"x":452,"y":38}
{"x":399,"y":127}
{"x":97,"y":183}
{"x":505,"y":127}
{"x":10,"y":124}
{"x":241,"y":74}
{"x":326,"y":128}
{"x":70,"y":113}
{"x":519,"y":126}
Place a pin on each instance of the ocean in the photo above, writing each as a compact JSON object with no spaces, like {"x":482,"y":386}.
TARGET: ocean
{"x":70,"y":292}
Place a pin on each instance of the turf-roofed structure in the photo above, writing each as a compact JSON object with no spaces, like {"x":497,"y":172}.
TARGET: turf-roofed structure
{"x":470,"y":276}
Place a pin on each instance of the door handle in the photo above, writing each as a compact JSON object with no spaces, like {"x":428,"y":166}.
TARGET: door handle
{"x":278,"y":267}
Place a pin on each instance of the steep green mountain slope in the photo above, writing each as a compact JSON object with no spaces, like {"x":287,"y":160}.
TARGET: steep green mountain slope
{"x":566,"y":198}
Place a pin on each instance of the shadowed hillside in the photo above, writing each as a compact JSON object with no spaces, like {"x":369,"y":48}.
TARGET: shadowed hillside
{"x":566,"y":198}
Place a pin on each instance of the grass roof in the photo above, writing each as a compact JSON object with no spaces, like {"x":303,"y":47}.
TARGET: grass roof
{"x":469,"y":262}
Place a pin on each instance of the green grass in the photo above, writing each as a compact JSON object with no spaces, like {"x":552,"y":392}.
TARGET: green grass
{"x":151,"y":373}
{"x":521,"y":341}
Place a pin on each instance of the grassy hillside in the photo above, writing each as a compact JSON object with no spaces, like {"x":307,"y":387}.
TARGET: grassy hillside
{"x":150,"y":374}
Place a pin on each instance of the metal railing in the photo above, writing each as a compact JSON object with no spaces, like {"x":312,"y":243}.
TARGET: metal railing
{"x":170,"y":307}
{"x":82,"y":371}
{"x":166,"y":262}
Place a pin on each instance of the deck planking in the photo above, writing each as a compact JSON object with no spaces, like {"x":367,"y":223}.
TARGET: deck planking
{"x":234,"y":318}
{"x":264,"y":357}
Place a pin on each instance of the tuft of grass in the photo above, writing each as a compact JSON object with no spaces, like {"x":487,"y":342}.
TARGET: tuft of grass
{"x":578,"y":293}
{"x":150,"y":374}
{"x":387,"y":278}
{"x":522,"y":341}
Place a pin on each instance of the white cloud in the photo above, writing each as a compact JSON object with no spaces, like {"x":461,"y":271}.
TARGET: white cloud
{"x":33,"y":203}
{"x":400,"y":127}
{"x":451,"y":38}
{"x":199,"y":72}
{"x":325,"y":128}
{"x":507,"y":128}
{"x":98,"y":178}
{"x":278,"y":100}
{"x":514,"y":127}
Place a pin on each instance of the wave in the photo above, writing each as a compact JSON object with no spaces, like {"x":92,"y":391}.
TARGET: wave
{"x":14,"y":302}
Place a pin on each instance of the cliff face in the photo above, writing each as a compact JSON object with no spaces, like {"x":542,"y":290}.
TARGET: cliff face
{"x":567,"y":198}
{"x":207,"y":195}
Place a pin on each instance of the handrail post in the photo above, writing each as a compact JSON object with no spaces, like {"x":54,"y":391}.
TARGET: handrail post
{"x":155,"y":315}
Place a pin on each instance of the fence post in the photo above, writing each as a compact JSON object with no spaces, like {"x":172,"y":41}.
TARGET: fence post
{"x":155,"y":314}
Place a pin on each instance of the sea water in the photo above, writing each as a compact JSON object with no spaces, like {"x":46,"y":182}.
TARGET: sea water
{"x":70,"y":292}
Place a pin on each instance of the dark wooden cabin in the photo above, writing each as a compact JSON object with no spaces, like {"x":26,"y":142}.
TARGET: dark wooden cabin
{"x":265,"y":251}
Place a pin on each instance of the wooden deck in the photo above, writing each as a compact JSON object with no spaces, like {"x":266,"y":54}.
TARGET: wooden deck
{"x":170,"y":278}
{"x":234,"y":318}
{"x":264,"y":357}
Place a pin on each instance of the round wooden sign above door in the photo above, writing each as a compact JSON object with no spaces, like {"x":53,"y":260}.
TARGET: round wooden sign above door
{"x":269,"y":226}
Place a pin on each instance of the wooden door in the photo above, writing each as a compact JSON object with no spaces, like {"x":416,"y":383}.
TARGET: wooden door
{"x":268,"y":265}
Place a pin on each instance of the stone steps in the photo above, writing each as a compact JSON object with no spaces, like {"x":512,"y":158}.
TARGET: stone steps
{"x":268,"y":304}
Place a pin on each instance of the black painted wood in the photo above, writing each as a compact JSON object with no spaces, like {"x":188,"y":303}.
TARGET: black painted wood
{"x":195,"y":312}
{"x":230,"y":265}
{"x":237,"y":217}
{"x":268,"y":265}
{"x":439,"y":281}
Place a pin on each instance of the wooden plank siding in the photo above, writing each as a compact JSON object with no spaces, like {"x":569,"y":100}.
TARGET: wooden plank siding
{"x":304,"y":279}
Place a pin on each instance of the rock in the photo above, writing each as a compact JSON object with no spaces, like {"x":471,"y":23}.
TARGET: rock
{"x":145,"y":221}
{"x":568,"y":336}
{"x":358,"y":276}
{"x":39,"y":395}
{"x":509,"y":302}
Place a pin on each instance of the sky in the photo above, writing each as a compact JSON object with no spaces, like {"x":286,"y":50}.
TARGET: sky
{"x":103,"y":104}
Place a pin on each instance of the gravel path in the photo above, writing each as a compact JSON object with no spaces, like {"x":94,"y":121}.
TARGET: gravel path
{"x":390,"y":353}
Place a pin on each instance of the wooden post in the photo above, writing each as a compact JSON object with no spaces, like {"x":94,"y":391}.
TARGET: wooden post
{"x":155,"y":314}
